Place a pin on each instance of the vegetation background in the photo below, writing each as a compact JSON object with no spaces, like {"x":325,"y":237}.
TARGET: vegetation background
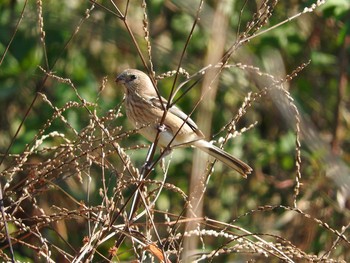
{"x":69,"y":158}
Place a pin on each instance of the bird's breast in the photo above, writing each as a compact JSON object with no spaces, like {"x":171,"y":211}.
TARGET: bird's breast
{"x":140,"y":113}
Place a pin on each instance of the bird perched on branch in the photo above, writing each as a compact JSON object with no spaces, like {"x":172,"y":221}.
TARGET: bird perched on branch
{"x":145,"y":110}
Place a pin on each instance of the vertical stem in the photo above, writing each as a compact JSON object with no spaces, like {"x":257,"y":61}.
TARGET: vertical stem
{"x":8,"y":237}
{"x":343,"y":81}
{"x":215,"y":52}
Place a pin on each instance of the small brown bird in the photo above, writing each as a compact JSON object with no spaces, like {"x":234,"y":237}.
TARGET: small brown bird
{"x":144,"y":110}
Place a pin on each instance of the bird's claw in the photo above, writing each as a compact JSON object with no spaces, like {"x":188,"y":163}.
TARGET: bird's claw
{"x":148,"y":166}
{"x":161,"y":128}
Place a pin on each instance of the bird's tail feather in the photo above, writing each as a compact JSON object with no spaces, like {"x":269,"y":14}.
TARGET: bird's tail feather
{"x":231,"y":161}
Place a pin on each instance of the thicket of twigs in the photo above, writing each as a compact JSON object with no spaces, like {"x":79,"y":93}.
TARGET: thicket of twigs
{"x":74,"y":179}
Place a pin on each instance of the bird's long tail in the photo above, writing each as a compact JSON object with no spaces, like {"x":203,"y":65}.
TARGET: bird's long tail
{"x":231,"y":161}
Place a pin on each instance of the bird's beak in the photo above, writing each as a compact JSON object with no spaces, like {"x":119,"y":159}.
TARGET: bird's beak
{"x":120,"y":79}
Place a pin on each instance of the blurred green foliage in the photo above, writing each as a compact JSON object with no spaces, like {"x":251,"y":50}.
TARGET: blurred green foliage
{"x":101,"y":47}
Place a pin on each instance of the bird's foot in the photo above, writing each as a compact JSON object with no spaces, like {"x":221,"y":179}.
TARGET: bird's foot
{"x":162,"y":128}
{"x":147,"y":166}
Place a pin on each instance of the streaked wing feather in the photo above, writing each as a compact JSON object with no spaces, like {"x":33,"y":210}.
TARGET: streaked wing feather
{"x":176,"y":111}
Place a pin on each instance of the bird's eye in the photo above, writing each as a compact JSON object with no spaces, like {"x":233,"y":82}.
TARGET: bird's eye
{"x":132,"y":77}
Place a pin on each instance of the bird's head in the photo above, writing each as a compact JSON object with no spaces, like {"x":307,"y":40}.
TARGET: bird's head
{"x":135,"y":80}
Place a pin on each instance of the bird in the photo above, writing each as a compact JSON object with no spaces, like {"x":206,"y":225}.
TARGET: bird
{"x":145,"y":109}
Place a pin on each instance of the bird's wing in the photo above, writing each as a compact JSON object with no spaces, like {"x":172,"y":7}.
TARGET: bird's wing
{"x":177,"y":112}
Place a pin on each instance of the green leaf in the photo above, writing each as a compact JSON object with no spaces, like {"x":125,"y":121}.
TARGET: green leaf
{"x":323,"y":59}
{"x":337,"y":8}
